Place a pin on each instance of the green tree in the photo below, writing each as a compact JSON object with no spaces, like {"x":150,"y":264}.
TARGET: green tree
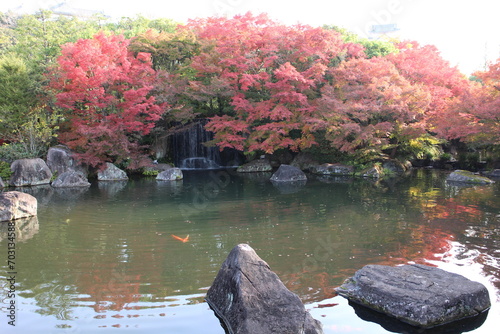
{"x":23,"y":119}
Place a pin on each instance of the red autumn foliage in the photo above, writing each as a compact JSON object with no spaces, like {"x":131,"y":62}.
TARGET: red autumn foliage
{"x":106,"y":92}
{"x":268,"y":74}
{"x":369,"y":105}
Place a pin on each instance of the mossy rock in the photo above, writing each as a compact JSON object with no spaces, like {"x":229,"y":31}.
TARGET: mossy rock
{"x":463,"y":176}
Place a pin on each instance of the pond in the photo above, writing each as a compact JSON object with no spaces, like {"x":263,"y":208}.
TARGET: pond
{"x":104,"y":258}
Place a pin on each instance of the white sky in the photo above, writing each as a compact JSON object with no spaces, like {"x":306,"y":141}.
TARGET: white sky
{"x":466,"y":32}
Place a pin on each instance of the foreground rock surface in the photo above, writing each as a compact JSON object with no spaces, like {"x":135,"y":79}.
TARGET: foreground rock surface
{"x":29,"y":172}
{"x":416,"y":294}
{"x":16,"y":205}
{"x":463,"y":176}
{"x":249,"y":298}
{"x":111,"y":173}
{"x":287,"y":173}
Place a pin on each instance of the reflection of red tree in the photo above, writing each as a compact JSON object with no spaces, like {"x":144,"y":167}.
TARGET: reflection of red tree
{"x":108,"y":284}
{"x":426,"y":244}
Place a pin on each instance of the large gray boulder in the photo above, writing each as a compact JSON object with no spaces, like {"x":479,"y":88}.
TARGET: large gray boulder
{"x":60,"y":159}
{"x":171,"y":174}
{"x":29,"y":172}
{"x":249,"y":298}
{"x":259,"y":165}
{"x":16,"y":205}
{"x":332,"y":169}
{"x":419,"y":295}
{"x":287,"y":173}
{"x":69,"y":179}
{"x":463,"y":176}
{"x":111,"y":173}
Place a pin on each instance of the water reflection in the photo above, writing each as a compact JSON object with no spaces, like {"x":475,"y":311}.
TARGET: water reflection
{"x":108,"y":251}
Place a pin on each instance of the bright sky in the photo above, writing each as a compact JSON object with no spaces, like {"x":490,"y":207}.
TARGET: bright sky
{"x":466,"y":32}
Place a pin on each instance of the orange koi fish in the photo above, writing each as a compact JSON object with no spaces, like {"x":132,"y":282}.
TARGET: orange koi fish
{"x":186,"y":239}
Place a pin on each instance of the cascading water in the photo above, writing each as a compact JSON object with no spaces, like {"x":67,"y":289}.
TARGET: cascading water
{"x":190,"y":153}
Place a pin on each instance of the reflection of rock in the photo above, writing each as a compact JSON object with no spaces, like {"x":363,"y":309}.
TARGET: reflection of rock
{"x":331,"y":179}
{"x":25,"y":228}
{"x":287,"y":173}
{"x":112,"y":173}
{"x":261,"y":177}
{"x":112,"y":188}
{"x":29,"y":172}
{"x":332,"y":169}
{"x":70,"y":193}
{"x":60,"y":159}
{"x":259,"y":165}
{"x":43,"y":193}
{"x":70,"y":179}
{"x":16,"y":204}
{"x":463,"y":176}
{"x":171,"y":174}
{"x":289,"y":187}
{"x":172,"y":187}
{"x":416,"y":294}
{"x":395,"y":326}
{"x":249,"y":298}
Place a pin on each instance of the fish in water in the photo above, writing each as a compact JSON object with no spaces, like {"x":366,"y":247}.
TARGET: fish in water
{"x":186,"y":239}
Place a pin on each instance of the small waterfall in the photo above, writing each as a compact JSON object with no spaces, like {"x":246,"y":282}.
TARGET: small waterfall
{"x":190,"y":153}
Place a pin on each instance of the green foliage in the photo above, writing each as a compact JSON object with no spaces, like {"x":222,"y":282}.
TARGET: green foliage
{"x":150,"y":172}
{"x":423,"y":147}
{"x":5,"y":172}
{"x":13,"y":151}
{"x":373,"y":48}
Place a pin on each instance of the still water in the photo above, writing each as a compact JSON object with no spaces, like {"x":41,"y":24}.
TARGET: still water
{"x":100,"y":259}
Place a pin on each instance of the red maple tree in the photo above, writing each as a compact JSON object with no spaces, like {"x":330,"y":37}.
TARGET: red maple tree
{"x":368,"y":106}
{"x":261,"y":77}
{"x":107,"y":95}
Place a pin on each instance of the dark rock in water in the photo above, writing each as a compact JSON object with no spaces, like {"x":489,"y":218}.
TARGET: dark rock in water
{"x":60,"y":159}
{"x":419,"y":295}
{"x":259,"y":165}
{"x":463,"y":176}
{"x":395,"y":166}
{"x":374,"y":172}
{"x":171,"y":174}
{"x":112,"y":173}
{"x":494,"y":173}
{"x":332,"y":169}
{"x":287,"y":173}
{"x":16,"y":204}
{"x":29,"y":172}
{"x":70,"y":179}
{"x":304,"y":161}
{"x":249,"y":298}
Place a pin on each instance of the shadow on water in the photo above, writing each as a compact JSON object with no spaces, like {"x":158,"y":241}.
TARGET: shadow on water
{"x":396,"y":326}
